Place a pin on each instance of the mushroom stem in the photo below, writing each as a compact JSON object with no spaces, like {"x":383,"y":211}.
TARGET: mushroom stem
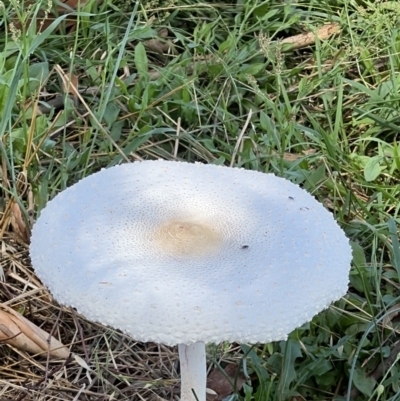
{"x":193,"y":371}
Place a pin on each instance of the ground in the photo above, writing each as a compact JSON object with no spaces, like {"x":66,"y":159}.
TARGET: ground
{"x":307,"y":90}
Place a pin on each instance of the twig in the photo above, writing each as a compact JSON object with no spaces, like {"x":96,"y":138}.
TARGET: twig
{"x":241,"y":135}
{"x":49,"y":345}
{"x":77,"y":324}
{"x":50,"y":375}
{"x":178,"y":130}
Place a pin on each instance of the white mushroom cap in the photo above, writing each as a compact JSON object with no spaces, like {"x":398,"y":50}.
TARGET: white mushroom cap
{"x":178,"y":253}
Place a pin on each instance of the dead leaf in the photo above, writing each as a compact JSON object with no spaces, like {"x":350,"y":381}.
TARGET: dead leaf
{"x":68,"y":4}
{"x":291,"y":157}
{"x":45,"y":18}
{"x":161,"y":47}
{"x":221,"y":384}
{"x":21,"y":333}
{"x":17,"y":223}
{"x":70,"y":84}
{"x":391,"y":314}
{"x":157,"y":46}
{"x":308,"y":38}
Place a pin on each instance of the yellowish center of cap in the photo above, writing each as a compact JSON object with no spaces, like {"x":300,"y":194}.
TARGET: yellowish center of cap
{"x":184,"y":238}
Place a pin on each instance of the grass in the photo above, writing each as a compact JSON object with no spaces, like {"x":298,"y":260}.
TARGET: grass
{"x":216,"y":83}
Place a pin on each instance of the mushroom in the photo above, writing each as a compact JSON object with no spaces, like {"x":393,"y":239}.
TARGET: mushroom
{"x":189,"y":254}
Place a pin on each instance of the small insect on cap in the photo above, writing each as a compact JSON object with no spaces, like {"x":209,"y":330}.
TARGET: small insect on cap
{"x":178,"y":253}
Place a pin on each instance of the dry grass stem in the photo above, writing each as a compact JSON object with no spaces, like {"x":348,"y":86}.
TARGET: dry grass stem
{"x":240,"y":138}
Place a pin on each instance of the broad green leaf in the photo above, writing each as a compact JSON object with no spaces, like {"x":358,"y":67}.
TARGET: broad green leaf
{"x":372,"y":169}
{"x":315,"y":178}
{"x":360,"y":276}
{"x":291,"y":350}
{"x":266,"y":123}
{"x":38,"y":72}
{"x":116,"y":130}
{"x":363,"y":382}
{"x":253,"y":69}
{"x":111,"y":114}
{"x":358,"y":255}
{"x":141,"y":61}
{"x":248,"y":392}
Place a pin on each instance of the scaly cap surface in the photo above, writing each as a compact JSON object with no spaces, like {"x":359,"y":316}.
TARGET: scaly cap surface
{"x":178,"y":253}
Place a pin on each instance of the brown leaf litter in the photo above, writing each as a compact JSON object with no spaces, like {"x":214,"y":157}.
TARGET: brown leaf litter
{"x":18,"y":223}
{"x":223,"y":383}
{"x":11,"y":216}
{"x":46,"y":16}
{"x":19,"y":332}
